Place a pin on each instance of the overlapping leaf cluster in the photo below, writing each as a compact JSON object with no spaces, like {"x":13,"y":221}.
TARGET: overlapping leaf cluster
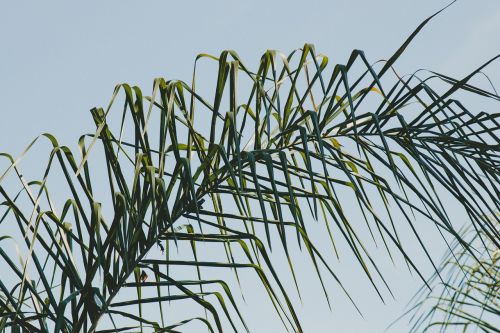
{"x":246,"y":171}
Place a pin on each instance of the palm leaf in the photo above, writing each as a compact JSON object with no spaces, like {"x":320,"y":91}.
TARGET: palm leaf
{"x":468,"y":299}
{"x":242,"y":172}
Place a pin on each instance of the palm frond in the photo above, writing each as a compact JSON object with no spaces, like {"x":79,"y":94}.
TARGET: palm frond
{"x":468,"y":299}
{"x":240,"y":170}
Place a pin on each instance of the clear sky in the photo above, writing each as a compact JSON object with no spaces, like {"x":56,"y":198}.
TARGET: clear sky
{"x":59,"y":58}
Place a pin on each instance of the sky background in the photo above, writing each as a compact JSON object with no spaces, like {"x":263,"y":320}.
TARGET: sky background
{"x":59,"y":59}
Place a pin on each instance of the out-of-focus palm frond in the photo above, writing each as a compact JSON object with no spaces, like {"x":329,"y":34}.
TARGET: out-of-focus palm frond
{"x":468,"y":298}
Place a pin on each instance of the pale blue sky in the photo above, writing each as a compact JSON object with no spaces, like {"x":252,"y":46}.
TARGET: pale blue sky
{"x":59,"y":59}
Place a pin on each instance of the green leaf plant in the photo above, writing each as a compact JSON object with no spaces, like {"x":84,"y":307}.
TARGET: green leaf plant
{"x":175,"y":196}
{"x":467,"y":298}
